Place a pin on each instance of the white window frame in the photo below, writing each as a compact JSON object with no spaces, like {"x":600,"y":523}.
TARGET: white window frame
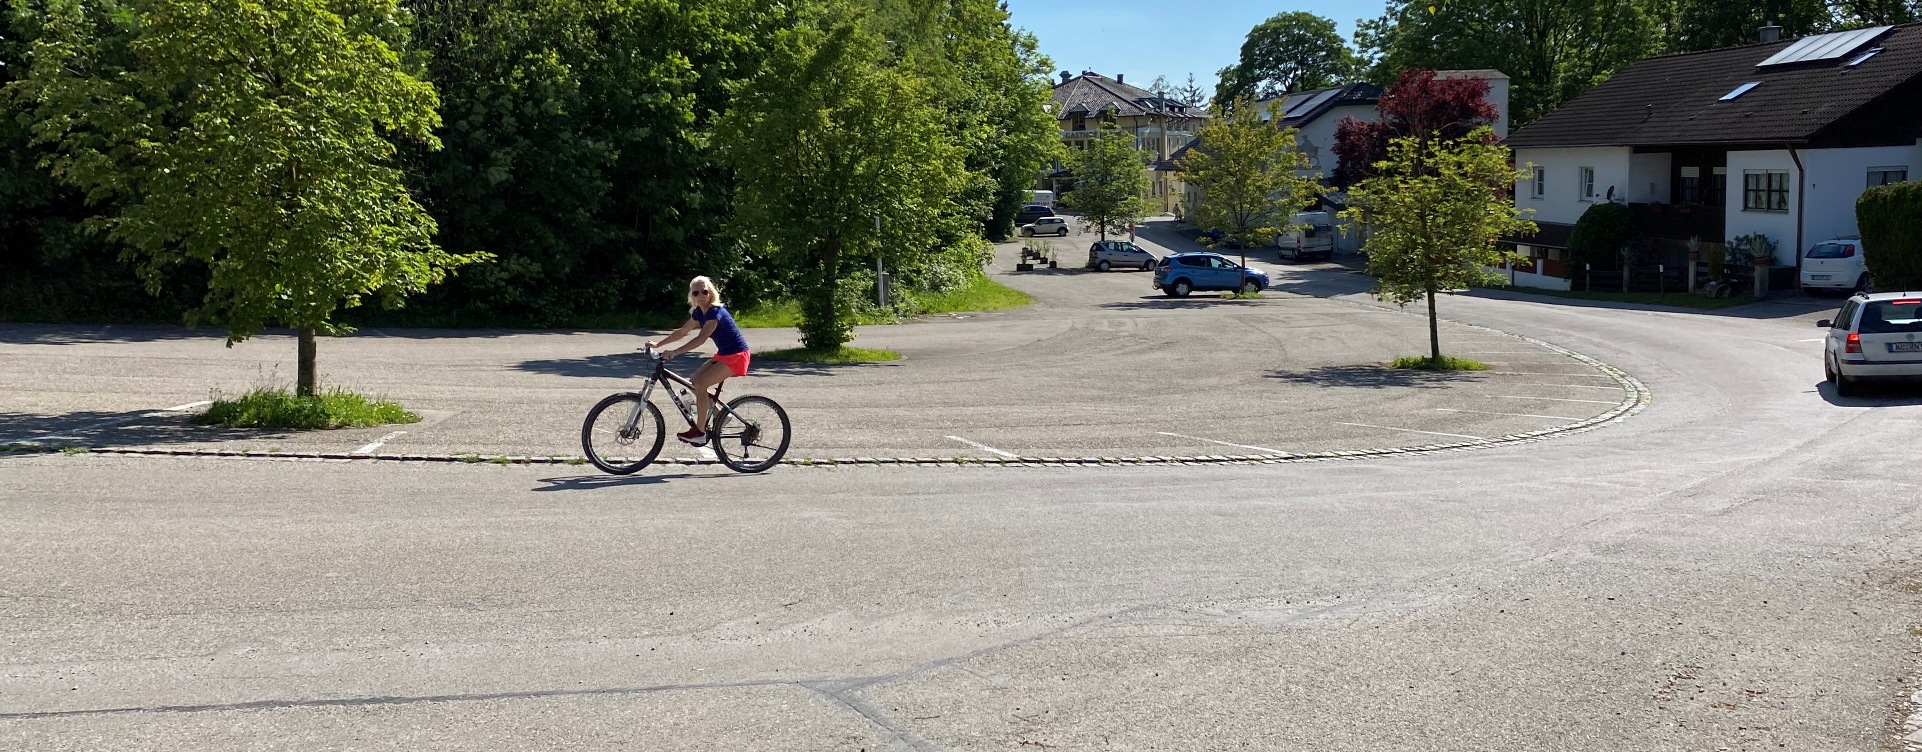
{"x":1539,"y":188}
{"x":1585,"y":188}
{"x":1904,"y":169}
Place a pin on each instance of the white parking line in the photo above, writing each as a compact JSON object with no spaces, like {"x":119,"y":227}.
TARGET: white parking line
{"x":369,"y":449}
{"x":983,"y":447}
{"x":1571,"y":386}
{"x":1553,"y":399}
{"x":1817,"y":339}
{"x":1223,"y":443}
{"x":1511,"y":415}
{"x":68,"y":433}
{"x":1410,"y":430}
{"x":1508,"y":352}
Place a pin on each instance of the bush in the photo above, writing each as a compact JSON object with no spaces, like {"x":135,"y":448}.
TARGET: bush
{"x":1601,"y":234}
{"x":1446,"y":363}
{"x":278,"y":408}
{"x":1890,"y":218}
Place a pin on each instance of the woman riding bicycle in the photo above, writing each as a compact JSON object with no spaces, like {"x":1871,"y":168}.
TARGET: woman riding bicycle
{"x":712,"y":322}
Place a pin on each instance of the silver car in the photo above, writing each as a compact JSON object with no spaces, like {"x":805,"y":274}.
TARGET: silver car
{"x":1113,"y":254}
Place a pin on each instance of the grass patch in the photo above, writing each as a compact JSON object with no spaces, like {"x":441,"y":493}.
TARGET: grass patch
{"x":839,"y":355}
{"x":278,"y":408}
{"x":1446,"y":363}
{"x":979,"y":294}
{"x":1241,"y":295}
{"x":1678,"y":299}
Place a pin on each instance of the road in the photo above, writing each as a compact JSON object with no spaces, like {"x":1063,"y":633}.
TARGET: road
{"x":1735,"y":567}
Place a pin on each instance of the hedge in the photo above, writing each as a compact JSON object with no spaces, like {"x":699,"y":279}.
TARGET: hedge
{"x":1890,"y":218}
{"x":1601,"y":234}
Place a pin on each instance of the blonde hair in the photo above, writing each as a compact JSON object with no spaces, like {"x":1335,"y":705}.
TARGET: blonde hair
{"x":714,"y":294}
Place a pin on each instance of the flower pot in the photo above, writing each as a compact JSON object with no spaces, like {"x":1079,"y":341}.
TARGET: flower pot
{"x":1685,"y":209}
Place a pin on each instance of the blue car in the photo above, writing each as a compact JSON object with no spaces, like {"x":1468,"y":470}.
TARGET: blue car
{"x":1183,"y":273}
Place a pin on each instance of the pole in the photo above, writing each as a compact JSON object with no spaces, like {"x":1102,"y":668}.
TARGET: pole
{"x":1661,"y":278}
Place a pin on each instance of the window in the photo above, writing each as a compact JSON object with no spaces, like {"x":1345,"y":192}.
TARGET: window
{"x":1588,"y":184}
{"x":1740,"y":90}
{"x":1831,"y":251}
{"x":1765,"y":190}
{"x":1891,"y":317}
{"x":1541,"y":182}
{"x":1080,"y":122}
{"x":1887,"y":175}
{"x":1691,"y":185}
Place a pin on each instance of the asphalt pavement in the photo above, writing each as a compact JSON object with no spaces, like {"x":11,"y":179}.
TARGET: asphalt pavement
{"x":1734,"y":567}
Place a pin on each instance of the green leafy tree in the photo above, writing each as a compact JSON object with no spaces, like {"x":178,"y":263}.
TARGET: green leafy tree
{"x":1694,"y":25}
{"x":838,"y":159}
{"x":1291,"y":51}
{"x":1250,"y":174}
{"x":1110,"y":182}
{"x":1435,"y":211}
{"x":253,"y":137}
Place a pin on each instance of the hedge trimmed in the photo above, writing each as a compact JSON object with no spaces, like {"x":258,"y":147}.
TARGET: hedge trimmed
{"x":1890,"y":219}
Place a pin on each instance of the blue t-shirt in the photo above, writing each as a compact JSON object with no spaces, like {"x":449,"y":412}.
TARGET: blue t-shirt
{"x":727,"y":337}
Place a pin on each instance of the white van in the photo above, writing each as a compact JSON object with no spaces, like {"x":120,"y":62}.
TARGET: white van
{"x":1309,"y":235}
{"x":1044,"y":198}
{"x":1835,"y":266}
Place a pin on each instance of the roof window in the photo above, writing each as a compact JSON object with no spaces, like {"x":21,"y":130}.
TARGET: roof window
{"x":1864,"y":57}
{"x":1740,"y":90}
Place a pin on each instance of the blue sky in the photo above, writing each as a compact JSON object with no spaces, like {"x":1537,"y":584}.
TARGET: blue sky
{"x":1148,"y":38}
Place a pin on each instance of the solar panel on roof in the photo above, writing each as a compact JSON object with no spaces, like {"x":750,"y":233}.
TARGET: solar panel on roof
{"x":1824,"y":46}
{"x":1310,"y":103}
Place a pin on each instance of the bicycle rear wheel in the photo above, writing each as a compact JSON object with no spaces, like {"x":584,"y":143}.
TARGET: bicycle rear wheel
{"x":751,"y":435}
{"x":623,"y":434}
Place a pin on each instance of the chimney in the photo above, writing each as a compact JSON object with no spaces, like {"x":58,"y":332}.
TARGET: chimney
{"x":1065,"y":76}
{"x":1120,"y":78}
{"x":1771,"y":33}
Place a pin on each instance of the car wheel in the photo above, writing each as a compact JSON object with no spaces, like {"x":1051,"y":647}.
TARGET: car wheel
{"x":1101,"y":266}
{"x":1181,"y":288}
{"x":1864,"y":284}
{"x":1147,"y":266}
{"x":1027,"y":232}
{"x":1845,"y":386}
{"x":1063,"y":233}
{"x":1250,"y":287}
{"x":1828,"y":370}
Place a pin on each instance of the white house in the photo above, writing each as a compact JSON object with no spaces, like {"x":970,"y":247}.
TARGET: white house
{"x":1777,"y":138}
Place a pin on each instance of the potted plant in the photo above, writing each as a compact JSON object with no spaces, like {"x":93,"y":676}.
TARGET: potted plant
{"x":1684,"y":208}
{"x":1694,"y":244}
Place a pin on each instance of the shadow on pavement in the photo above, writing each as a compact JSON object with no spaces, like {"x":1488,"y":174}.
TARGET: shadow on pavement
{"x":1376,"y":377}
{"x":1874,"y":394}
{"x":1198,"y":300}
{"x":58,"y":334}
{"x":110,"y":429}
{"x":591,"y":482}
{"x":1781,"y":307}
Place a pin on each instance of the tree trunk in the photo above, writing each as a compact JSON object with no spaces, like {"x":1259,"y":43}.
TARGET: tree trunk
{"x":304,"y":381}
{"x":1434,"y":331}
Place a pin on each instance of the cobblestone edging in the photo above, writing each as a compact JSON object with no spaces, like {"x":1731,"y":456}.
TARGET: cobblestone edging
{"x":1636,"y":397}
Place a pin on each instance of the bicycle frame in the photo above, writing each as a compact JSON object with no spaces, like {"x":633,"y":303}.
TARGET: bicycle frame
{"x":664,"y":377}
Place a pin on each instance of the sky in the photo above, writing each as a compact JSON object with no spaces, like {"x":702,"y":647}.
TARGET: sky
{"x":1148,"y":38}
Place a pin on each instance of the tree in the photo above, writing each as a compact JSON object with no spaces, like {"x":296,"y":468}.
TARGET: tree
{"x":1292,"y":51}
{"x":837,"y":159}
{"x":1553,"y":50}
{"x":1419,"y":104}
{"x":1891,"y":238}
{"x":1190,"y":93}
{"x":1695,"y":25}
{"x":1110,"y":180}
{"x":1249,"y":172}
{"x":1436,"y":208}
{"x":254,"y":138}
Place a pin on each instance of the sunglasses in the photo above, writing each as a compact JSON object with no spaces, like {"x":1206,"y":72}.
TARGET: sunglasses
{"x":699,"y":292}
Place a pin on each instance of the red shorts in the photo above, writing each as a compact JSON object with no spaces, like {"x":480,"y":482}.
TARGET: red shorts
{"x":736,"y":363}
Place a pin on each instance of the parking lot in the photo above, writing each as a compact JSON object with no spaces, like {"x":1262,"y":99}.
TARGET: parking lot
{"x":1101,"y":366}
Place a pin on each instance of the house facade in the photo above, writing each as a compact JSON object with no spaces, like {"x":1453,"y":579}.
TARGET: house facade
{"x":1776,"y":139}
{"x":1161,"y":126}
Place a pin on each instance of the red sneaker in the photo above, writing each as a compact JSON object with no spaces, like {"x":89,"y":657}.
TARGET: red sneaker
{"x":694,"y":436}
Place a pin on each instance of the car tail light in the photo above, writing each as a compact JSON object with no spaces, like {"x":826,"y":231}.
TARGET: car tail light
{"x":1855,"y":343}
{"x":1848,"y":251}
{"x":1906,"y":301}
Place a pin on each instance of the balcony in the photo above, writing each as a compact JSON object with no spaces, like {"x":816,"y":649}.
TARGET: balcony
{"x":1681,"y":221}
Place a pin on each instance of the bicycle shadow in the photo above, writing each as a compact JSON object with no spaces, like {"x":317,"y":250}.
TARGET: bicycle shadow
{"x":593,"y":482}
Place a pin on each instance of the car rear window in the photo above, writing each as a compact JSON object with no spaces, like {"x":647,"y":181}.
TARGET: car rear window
{"x":1891,"y":316}
{"x":1831,"y":250}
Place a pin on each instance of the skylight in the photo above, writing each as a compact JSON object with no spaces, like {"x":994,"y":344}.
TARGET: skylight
{"x":1740,"y":90}
{"x":1864,"y":57}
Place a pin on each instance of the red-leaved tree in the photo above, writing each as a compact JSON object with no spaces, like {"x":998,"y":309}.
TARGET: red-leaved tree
{"x":1419,"y":104}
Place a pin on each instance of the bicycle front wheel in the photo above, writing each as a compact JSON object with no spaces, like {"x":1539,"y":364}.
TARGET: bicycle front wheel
{"x":750,"y":435}
{"x":623,"y":434}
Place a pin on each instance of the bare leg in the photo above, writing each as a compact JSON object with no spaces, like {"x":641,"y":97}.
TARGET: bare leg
{"x":705,"y":377}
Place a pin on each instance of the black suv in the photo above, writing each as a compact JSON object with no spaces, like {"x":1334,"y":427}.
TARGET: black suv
{"x":1030,"y":213}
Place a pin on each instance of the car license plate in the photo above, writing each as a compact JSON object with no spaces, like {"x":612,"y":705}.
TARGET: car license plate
{"x":1818,"y":276}
{"x":1905,"y":347}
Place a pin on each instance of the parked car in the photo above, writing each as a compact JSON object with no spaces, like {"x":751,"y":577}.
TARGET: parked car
{"x":1181,"y":273}
{"x":1030,"y":213}
{"x":1835,"y":266}
{"x":1875,"y":337}
{"x":1215,"y":235}
{"x":1046,"y":226}
{"x":1310,"y":235}
{"x":1108,"y":254}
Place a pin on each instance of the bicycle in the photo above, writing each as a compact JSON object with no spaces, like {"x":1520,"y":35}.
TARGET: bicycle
{"x":749,"y":434}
